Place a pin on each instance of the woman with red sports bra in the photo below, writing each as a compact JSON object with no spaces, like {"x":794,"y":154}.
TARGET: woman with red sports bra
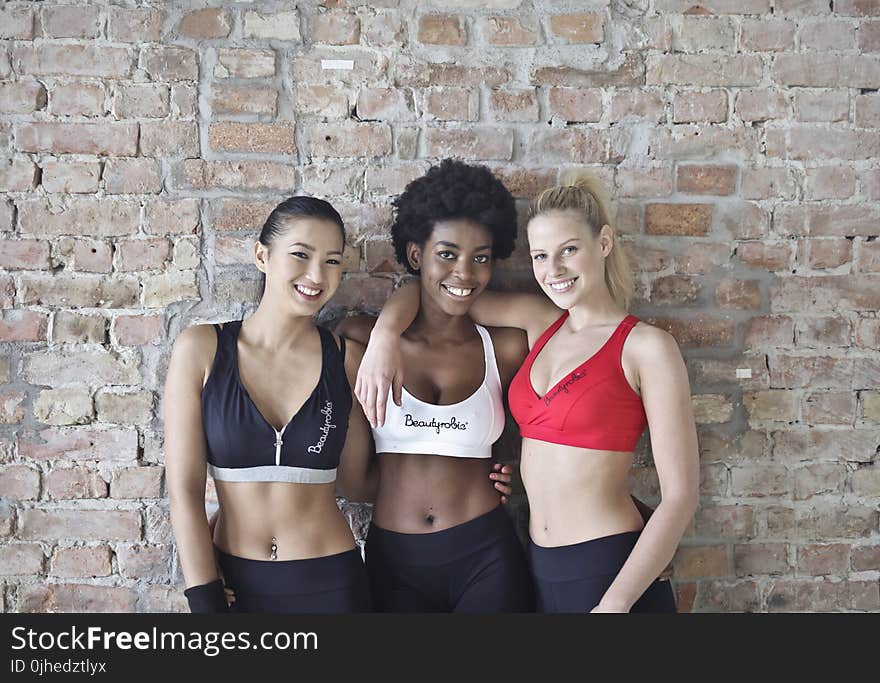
{"x":594,"y":378}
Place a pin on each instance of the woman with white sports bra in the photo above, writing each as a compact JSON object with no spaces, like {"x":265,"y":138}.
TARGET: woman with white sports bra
{"x":439,"y":539}
{"x":594,"y":378}
{"x":265,"y":406}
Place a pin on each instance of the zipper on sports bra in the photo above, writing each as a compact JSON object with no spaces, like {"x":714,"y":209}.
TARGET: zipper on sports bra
{"x":278,"y":444}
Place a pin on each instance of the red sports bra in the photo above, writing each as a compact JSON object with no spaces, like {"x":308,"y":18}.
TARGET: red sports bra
{"x":593,"y":406}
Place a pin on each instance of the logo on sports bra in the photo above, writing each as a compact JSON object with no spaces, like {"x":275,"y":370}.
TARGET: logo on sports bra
{"x":327,"y":412}
{"x":408,"y":421}
{"x":563,"y":388}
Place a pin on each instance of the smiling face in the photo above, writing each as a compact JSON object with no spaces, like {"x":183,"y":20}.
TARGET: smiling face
{"x":568,"y":258}
{"x":454,"y":264}
{"x":303,"y":264}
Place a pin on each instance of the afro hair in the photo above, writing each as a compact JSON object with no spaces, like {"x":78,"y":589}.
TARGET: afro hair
{"x":449,"y":191}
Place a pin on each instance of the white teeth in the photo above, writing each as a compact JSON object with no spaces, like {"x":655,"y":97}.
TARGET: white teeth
{"x":459,"y":292}
{"x":308,"y":291}
{"x":561,"y":286}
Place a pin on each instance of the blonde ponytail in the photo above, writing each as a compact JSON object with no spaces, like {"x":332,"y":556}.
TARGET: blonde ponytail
{"x":581,"y":191}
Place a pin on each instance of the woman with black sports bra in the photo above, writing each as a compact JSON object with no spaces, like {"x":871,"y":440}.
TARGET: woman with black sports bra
{"x":439,"y":540}
{"x":594,"y":378}
{"x":265,"y":406}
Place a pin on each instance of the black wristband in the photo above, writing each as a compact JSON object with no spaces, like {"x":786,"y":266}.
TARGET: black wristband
{"x":207,"y":598}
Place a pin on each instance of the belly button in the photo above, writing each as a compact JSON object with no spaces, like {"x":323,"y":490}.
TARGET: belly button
{"x":429,"y":519}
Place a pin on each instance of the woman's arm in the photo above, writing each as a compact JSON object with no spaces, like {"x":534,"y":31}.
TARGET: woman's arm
{"x":186,"y":465}
{"x":357,"y":478}
{"x":667,"y":398}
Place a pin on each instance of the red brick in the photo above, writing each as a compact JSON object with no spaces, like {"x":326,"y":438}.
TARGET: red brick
{"x":94,"y":217}
{"x":71,"y":176}
{"x":17,"y":325}
{"x":441,"y":29}
{"x":759,"y":481}
{"x":817,"y":372}
{"x":735,"y":293}
{"x":867,"y":111}
{"x":16,"y":22}
{"x":234,"y":249}
{"x":470,"y":143}
{"x":61,"y":597}
{"x":267,"y":138}
{"x":22,"y":97}
{"x":87,"y":525}
{"x":829,"y":408}
{"x":514,"y":105}
{"x":697,"y":562}
{"x":246,"y":175}
{"x":511,"y":31}
{"x":385,"y":104}
{"x":675,"y":289}
{"x":830,"y":182}
{"x":7,"y":291}
{"x":81,"y":562}
{"x":348,"y":140}
{"x":807,"y":7}
{"x":576,"y":104}
{"x":137,"y":482}
{"x":772,"y":404}
{"x":827,"y":35}
{"x":24,"y":254}
{"x":649,"y":106}
{"x":164,"y":599}
{"x":18,"y":482}
{"x":18,"y":174}
{"x":79,"y":329}
{"x":869,"y":257}
{"x":701,"y":331}
{"x":132,"y":176}
{"x":25,"y":559}
{"x":369,"y":67}
{"x":137,"y":330}
{"x":80,"y":443}
{"x":805,"y":444}
{"x":865,"y":558}
{"x":71,"y":22}
{"x":143,"y":254}
{"x":725,"y":521}
{"x":79,"y":291}
{"x":143,"y":561}
{"x":766,"y":256}
{"x":332,"y":180}
{"x":704,"y":69}
{"x":761,"y":104}
{"x":363,"y":293}
{"x":725,"y":596}
{"x":868,"y":333}
{"x":830,"y":253}
{"x":763,"y":35}
{"x":712,"y":180}
{"x":708,"y":409}
{"x":50,"y":59}
{"x":78,"y":138}
{"x":644,"y":182}
{"x":822,"y":106}
{"x":322,"y":100}
{"x":166,"y":63}
{"x":678,"y":219}
{"x":126,"y":25}
{"x":751,"y":559}
{"x":709,"y":107}
{"x":567,"y":145}
{"x":704,"y":142}
{"x":865,"y":481}
{"x":172,"y":217}
{"x":169,"y":139}
{"x":826,"y":71}
{"x":280,"y":25}
{"x":243,"y":99}
{"x":205,"y":23}
{"x":166,"y":288}
{"x":698,"y":33}
{"x":336,"y":28}
{"x":583,"y":27}
{"x":240,"y":214}
{"x":83,"y":255}
{"x":826,"y":294}
{"x":451,"y":104}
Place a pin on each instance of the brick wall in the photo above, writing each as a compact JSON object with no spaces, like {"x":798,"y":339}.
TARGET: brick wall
{"x":142,"y":144}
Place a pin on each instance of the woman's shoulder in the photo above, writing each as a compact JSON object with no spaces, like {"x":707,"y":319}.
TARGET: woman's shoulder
{"x":649,"y":342}
{"x":196,"y":342}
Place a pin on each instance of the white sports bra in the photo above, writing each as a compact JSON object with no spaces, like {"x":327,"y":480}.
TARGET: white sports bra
{"x":466,"y":429}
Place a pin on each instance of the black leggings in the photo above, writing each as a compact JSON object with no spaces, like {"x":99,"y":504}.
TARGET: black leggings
{"x":478,"y":566}
{"x":573,"y":578}
{"x":320,"y":585}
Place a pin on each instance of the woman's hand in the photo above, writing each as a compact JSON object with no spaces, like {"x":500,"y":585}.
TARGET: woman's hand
{"x":381,"y":370}
{"x":501,"y":476}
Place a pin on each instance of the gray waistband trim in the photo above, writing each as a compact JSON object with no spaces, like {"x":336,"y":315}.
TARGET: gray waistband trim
{"x":293,"y":475}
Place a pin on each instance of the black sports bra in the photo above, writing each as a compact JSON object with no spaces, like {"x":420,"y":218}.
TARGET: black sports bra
{"x":243,"y":446}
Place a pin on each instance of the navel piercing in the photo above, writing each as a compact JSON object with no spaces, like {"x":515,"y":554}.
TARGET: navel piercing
{"x":273,"y":550}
